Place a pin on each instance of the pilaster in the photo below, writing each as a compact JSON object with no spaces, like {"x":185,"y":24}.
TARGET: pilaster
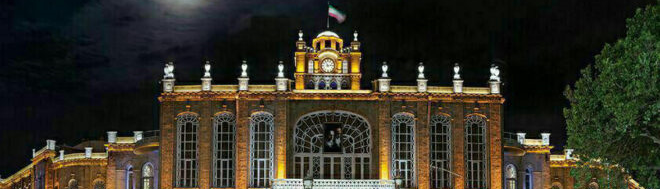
{"x":166,"y":148}
{"x":204,"y":148}
{"x":384,"y":138}
{"x":458,"y":145}
{"x":280,"y":137}
{"x":495,"y":141}
{"x":242,"y":135}
{"x":422,"y":142}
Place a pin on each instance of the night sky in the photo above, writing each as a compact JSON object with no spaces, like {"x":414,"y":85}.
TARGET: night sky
{"x":71,"y":70}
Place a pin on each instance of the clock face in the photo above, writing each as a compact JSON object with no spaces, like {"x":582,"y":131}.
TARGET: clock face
{"x":327,"y":65}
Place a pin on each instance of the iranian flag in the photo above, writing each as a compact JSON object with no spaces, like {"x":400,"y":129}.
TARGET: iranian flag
{"x":333,"y":12}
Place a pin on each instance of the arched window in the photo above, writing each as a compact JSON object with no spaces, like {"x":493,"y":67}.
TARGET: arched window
{"x":224,"y":125}
{"x":261,"y":149}
{"x":319,"y":154}
{"x":310,"y":66}
{"x":129,"y":178}
{"x":440,"y":143}
{"x":403,"y":148}
{"x":186,"y":153}
{"x":99,"y":184}
{"x":147,"y":176}
{"x":73,"y":184}
{"x":510,"y":176}
{"x":344,"y":66}
{"x":529,"y":179}
{"x":475,"y":151}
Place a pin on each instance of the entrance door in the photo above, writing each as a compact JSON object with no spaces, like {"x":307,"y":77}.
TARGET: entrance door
{"x":332,"y":145}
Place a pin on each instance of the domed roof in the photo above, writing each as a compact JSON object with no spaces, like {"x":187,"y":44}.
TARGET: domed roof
{"x":328,"y":34}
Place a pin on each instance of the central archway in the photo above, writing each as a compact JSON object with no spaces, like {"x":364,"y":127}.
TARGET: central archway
{"x":332,"y":145}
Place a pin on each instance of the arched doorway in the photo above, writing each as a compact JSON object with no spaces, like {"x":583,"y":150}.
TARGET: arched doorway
{"x":332,"y":145}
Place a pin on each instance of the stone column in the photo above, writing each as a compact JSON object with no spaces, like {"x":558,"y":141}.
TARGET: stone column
{"x":111,"y":172}
{"x":495,"y":144}
{"x":242,"y":136}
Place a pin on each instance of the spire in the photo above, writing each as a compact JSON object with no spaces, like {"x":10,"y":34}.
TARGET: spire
{"x":300,"y":35}
{"x":355,"y":35}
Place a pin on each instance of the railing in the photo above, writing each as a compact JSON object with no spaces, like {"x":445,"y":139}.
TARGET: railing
{"x":334,"y":184}
{"x":510,"y":139}
{"x":148,"y":137}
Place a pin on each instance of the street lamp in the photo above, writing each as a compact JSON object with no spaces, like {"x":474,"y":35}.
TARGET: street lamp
{"x":308,"y":182}
{"x":397,"y":181}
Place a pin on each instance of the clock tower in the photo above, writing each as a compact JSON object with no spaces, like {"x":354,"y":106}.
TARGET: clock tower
{"x":327,"y":64}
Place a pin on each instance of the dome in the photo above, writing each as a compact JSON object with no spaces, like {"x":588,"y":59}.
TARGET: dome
{"x":328,"y":34}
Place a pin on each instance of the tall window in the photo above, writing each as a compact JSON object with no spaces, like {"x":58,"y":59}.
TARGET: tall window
{"x":129,"y":178}
{"x":528,"y":178}
{"x":223,"y":149}
{"x":73,"y":184}
{"x":475,"y":152}
{"x":186,"y":153}
{"x":510,"y":176}
{"x":147,"y":176}
{"x":261,"y":149}
{"x":403,"y":148}
{"x":440,"y":143}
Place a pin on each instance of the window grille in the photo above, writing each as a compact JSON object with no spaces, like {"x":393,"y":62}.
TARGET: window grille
{"x":309,"y":157}
{"x":528,"y":178}
{"x":129,"y":178}
{"x":186,"y":153}
{"x":510,"y":176}
{"x":310,"y":66}
{"x":440,"y":144}
{"x":403,"y":148}
{"x":261,"y":149}
{"x":344,"y":66}
{"x":475,"y":152}
{"x":224,"y":125}
{"x":147,"y":176}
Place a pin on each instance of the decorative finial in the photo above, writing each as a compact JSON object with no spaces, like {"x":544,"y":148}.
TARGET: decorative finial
{"x":384,"y":67}
{"x":280,"y":67}
{"x":169,"y":70}
{"x":456,"y":69}
{"x":300,"y":34}
{"x":244,"y":68}
{"x":494,"y":73}
{"x":207,"y":69}
{"x":355,"y":34}
{"x":420,"y":68}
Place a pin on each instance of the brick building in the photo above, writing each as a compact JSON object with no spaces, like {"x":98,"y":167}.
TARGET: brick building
{"x":321,"y":125}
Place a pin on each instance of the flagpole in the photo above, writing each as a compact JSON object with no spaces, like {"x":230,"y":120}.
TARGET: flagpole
{"x":327,"y":17}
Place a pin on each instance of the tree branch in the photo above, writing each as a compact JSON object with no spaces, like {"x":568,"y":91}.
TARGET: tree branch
{"x":647,"y":134}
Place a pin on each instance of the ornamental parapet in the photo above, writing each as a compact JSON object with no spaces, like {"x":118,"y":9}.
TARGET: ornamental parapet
{"x":80,"y":159}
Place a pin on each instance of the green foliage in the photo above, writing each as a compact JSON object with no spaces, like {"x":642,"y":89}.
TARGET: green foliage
{"x":614,"y":115}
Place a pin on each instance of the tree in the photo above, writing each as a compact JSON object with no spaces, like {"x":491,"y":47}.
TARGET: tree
{"x":614,"y":113}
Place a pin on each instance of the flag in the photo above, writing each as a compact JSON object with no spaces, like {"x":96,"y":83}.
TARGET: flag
{"x":333,"y":12}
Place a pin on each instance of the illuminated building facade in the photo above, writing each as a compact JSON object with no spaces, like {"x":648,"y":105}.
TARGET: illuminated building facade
{"x":320,"y":126}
